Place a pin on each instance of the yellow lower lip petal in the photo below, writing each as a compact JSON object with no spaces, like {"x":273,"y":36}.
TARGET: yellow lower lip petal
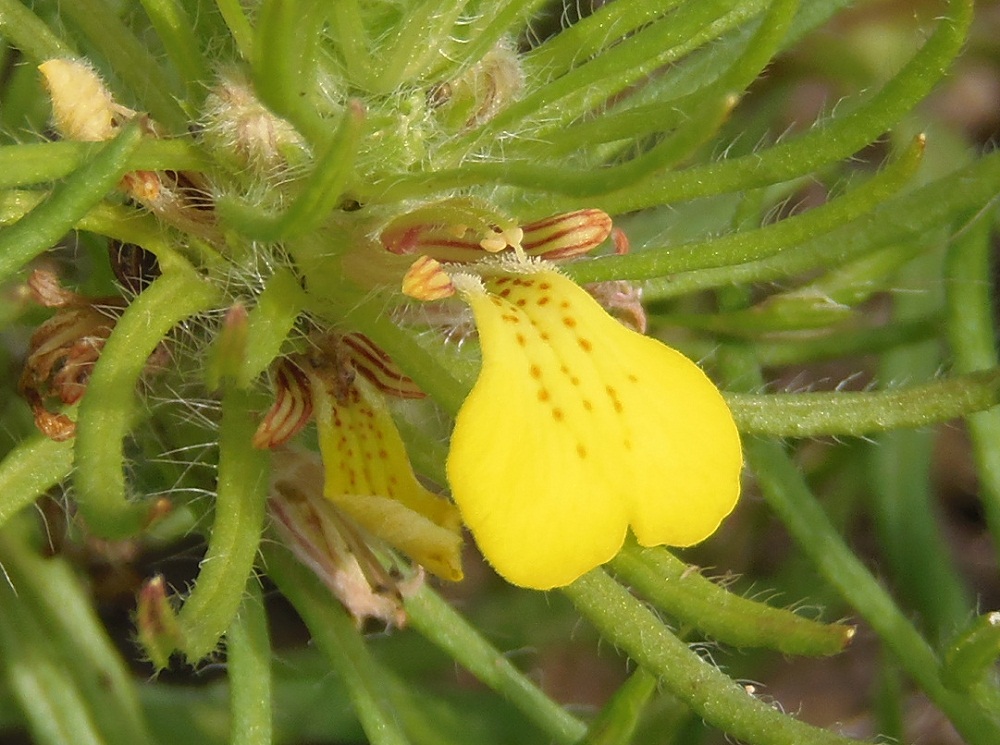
{"x":578,"y":428}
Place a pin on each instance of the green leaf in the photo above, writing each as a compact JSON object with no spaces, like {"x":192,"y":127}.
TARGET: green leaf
{"x":107,"y":409}
{"x":234,"y":537}
{"x":41,"y":228}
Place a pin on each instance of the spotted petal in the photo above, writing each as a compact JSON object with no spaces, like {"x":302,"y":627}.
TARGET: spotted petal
{"x":368,"y":475}
{"x":578,"y":429}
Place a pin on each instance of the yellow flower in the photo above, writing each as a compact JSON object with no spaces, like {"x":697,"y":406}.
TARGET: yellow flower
{"x":578,"y":429}
{"x":366,"y":471}
{"x":368,"y":476}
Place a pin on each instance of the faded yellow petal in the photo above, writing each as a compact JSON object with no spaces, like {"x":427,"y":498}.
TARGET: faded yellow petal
{"x":578,"y":428}
{"x":82,"y":108}
{"x":435,"y":548}
{"x":368,"y":475}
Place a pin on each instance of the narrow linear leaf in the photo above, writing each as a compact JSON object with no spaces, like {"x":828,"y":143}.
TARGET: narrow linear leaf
{"x":857,"y":414}
{"x":27,"y":471}
{"x":284,"y":62}
{"x":49,"y":591}
{"x":685,"y":594}
{"x":106,"y":410}
{"x":248,"y":648}
{"x":235,"y":534}
{"x":133,"y":62}
{"x":627,"y":623}
{"x":430,"y":615}
{"x":837,"y":138}
{"x":41,"y":228}
{"x":235,"y":17}
{"x":673,"y":262}
{"x":270,"y":322}
{"x":335,"y":635}
{"x":785,"y":490}
{"x":40,"y":162}
{"x":29,"y":33}
{"x":170,"y":21}
{"x":971,"y":335}
{"x":617,"y":720}
{"x":973,"y":654}
{"x":51,"y":701}
{"x":902,"y":218}
{"x":555,"y":104}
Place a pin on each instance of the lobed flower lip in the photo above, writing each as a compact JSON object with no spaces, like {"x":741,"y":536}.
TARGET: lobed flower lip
{"x":366,"y":470}
{"x":578,"y":429}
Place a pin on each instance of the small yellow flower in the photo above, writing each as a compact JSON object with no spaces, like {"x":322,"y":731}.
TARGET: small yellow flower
{"x":366,"y":471}
{"x":368,"y":476}
{"x":578,"y":429}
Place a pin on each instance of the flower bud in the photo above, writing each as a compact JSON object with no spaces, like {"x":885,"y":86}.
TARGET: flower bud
{"x":156,"y":622}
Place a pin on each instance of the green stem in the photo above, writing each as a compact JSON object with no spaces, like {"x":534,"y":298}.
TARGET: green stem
{"x":106,"y":410}
{"x":685,"y":594}
{"x":334,"y":633}
{"x":27,"y":471}
{"x":41,"y":228}
{"x":858,"y":414}
{"x":430,"y":615}
{"x":248,"y":659}
{"x":628,"y":624}
{"x":235,"y":535}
